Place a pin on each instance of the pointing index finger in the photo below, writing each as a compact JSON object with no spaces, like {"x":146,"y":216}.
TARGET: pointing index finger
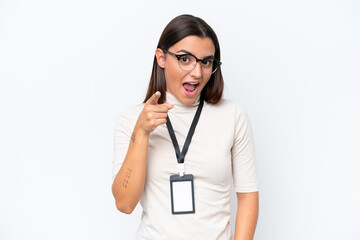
{"x":153,"y":100}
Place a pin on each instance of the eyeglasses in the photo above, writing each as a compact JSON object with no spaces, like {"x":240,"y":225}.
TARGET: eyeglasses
{"x":187,"y":62}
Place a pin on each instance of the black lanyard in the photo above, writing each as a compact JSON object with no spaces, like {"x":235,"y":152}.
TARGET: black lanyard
{"x":181,"y":156}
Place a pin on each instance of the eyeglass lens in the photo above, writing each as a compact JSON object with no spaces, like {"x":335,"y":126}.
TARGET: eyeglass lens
{"x":188,"y":63}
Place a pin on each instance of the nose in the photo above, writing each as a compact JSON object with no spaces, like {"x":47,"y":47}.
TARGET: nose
{"x":197,"y":71}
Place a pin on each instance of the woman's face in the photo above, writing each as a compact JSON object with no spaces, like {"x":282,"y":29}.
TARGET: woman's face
{"x":186,"y":86}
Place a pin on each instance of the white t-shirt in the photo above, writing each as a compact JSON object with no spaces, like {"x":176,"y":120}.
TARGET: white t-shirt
{"x":222,"y":147}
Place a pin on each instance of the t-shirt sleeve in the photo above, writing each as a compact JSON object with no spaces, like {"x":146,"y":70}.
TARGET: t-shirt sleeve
{"x":243,"y":155}
{"x":122,"y":134}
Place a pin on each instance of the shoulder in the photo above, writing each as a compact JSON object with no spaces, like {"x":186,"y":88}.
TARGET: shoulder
{"x":227,"y":107}
{"x":128,"y":116}
{"x":227,"y":112}
{"x":131,"y":111}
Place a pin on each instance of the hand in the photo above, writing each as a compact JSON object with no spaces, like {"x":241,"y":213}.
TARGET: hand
{"x":152,"y":115}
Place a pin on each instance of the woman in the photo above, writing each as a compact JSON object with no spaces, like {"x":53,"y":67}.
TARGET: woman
{"x":194,"y":203}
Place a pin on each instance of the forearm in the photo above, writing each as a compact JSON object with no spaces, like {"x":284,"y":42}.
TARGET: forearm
{"x":247,"y":215}
{"x":129,"y":182}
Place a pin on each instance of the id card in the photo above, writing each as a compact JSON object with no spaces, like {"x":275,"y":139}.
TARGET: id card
{"x":182,"y":194}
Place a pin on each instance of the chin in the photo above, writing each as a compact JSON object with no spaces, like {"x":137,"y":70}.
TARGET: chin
{"x":188,"y":101}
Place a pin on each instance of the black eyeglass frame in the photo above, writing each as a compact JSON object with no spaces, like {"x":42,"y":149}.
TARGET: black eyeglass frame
{"x":197,"y":60}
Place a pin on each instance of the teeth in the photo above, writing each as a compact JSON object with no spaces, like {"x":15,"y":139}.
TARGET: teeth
{"x":193,"y":83}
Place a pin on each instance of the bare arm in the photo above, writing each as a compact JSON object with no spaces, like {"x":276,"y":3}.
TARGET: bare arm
{"x":129,"y":182}
{"x":247,"y":215}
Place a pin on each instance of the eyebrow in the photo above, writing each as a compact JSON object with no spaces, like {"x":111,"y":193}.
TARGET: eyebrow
{"x":187,"y":52}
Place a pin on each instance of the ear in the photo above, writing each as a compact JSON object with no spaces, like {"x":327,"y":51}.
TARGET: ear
{"x":160,"y":57}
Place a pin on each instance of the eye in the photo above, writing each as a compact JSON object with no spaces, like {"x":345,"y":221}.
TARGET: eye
{"x":184,"y":59}
{"x":207,"y":62}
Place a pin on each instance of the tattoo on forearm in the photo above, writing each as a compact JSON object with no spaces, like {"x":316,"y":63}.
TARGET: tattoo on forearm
{"x":133,"y":137}
{"x":127,"y":178}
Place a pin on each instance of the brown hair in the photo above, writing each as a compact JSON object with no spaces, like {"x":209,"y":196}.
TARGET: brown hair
{"x":177,"y":29}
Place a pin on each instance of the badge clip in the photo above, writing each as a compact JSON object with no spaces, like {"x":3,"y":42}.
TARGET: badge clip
{"x":181,"y":169}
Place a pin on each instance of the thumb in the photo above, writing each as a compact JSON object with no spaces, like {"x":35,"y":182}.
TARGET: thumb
{"x":169,"y":106}
{"x":153,"y":100}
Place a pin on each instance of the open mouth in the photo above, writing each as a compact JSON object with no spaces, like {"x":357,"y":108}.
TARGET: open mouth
{"x":190,"y":88}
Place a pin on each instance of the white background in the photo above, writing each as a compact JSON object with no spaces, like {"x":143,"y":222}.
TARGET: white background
{"x":68,"y":68}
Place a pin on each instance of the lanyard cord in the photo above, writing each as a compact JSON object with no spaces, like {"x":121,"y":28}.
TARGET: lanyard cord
{"x":181,"y":156}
